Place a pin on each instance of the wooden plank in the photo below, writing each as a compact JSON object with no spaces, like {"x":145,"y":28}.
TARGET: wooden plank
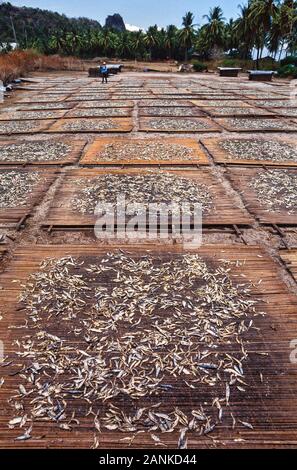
{"x":93,"y":154}
{"x":221,"y":155}
{"x":11,"y":216}
{"x":76,"y":147}
{"x":240,"y":179}
{"x":290,"y":259}
{"x":269,"y":405}
{"x":203,"y":125}
{"x":119,"y":125}
{"x":225,"y":210}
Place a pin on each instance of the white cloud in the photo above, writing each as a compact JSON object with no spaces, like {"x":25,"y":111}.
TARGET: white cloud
{"x":132,"y":27}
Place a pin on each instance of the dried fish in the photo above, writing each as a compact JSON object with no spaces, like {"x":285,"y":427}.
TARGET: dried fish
{"x":145,"y":151}
{"x":276,"y":189}
{"x":256,"y":149}
{"x":16,"y":186}
{"x":34,"y":151}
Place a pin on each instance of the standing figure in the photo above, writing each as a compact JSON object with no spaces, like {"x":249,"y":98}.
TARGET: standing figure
{"x":104,"y":72}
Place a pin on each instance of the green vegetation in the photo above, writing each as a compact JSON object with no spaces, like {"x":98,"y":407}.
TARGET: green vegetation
{"x":261,"y":25}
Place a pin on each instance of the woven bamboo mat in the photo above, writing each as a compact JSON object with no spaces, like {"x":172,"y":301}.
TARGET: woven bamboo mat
{"x":269,"y":404}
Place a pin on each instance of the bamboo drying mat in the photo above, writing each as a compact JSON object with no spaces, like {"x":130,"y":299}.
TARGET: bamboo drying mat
{"x":226,"y":124}
{"x":221,"y":155}
{"x":21,"y":115}
{"x":145,"y":125}
{"x":224,"y":212}
{"x":240,"y":178}
{"x":12,"y":217}
{"x":92,"y":154}
{"x":35,"y":127}
{"x":269,"y":405}
{"x":121,"y":125}
{"x":72,"y":157}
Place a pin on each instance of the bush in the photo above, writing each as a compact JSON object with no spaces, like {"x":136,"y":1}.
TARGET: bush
{"x":290,"y":60}
{"x":18,"y":63}
{"x":288,"y":70}
{"x":199,"y":66}
{"x":229,"y":63}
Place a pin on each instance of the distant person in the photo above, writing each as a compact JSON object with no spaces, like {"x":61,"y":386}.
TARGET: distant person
{"x":104,"y":72}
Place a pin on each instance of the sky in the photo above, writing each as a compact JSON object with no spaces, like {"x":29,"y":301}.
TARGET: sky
{"x":142,"y":13}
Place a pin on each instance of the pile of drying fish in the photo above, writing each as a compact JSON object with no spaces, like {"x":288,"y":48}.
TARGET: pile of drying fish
{"x":274,"y":103}
{"x":242,"y":111}
{"x":34,"y":151}
{"x":169,"y":111}
{"x":219,"y":103}
{"x":276,"y":189}
{"x":177,"y":124}
{"x":15,"y":186}
{"x":44,"y":114}
{"x":99,"y":112}
{"x":146,"y":188}
{"x":91,"y":125}
{"x":164,"y":102}
{"x":255,"y":124}
{"x":144,"y":343}
{"x":252,"y":149}
{"x":8,"y":127}
{"x":145,"y":151}
{"x":45,"y":106}
{"x":287,"y":111}
{"x":105,"y":104}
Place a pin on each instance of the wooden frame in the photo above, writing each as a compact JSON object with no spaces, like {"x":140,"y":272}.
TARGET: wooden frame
{"x":122,"y":125}
{"x":221,"y":156}
{"x":240,"y":178}
{"x":37,"y":126}
{"x":266,"y":403}
{"x":73,"y":156}
{"x":225,"y":123}
{"x":13,"y":217}
{"x":92,"y":154}
{"x":225,"y":210}
{"x":144,"y":125}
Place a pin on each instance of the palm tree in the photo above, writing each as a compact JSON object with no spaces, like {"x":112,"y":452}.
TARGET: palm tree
{"x":124,"y":45}
{"x":260,"y":16}
{"x":244,"y":32}
{"x":151,"y":39}
{"x":137,"y":44}
{"x":215,"y":27}
{"x":186,"y":34}
{"x":170,"y":39}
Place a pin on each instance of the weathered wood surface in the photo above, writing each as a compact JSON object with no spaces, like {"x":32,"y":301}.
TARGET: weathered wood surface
{"x":225,"y":209}
{"x":269,"y":405}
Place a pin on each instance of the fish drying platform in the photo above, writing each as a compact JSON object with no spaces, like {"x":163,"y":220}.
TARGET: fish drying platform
{"x":158,"y":344}
{"x":254,"y":413}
